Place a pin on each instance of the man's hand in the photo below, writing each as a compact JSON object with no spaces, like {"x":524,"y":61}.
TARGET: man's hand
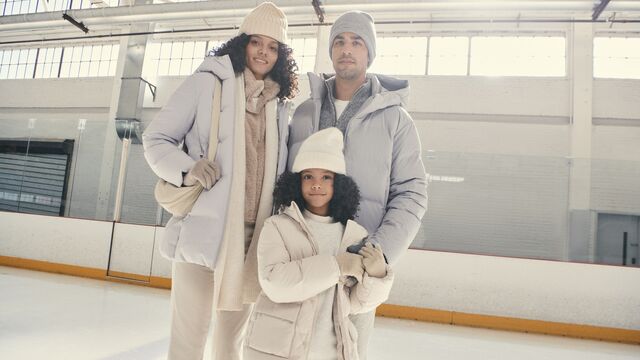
{"x":373,"y":260}
{"x":205,"y":172}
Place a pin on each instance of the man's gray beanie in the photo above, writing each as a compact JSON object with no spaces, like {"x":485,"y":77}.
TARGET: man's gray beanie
{"x":359,"y":23}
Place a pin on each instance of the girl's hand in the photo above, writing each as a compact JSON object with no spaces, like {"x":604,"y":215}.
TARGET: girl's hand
{"x":350,"y":265}
{"x":373,"y":260}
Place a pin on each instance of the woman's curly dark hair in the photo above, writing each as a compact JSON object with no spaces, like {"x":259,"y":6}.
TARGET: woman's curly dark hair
{"x":283,"y":72}
{"x":343,"y":205}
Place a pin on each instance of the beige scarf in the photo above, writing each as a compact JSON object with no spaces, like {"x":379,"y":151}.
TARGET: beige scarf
{"x":258,"y":93}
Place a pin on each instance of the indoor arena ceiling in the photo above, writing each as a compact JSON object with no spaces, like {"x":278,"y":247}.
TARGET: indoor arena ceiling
{"x":225,"y":15}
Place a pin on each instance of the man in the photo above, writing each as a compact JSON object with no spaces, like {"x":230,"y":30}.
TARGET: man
{"x":382,"y":149}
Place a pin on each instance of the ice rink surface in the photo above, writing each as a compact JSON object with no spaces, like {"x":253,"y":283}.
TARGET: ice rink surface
{"x":49,"y":316}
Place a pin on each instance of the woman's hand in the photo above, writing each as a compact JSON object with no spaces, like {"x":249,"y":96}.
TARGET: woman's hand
{"x":204,"y":172}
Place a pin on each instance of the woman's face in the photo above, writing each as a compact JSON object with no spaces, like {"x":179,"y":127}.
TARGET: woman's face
{"x":317,"y":190}
{"x":261,"y":55}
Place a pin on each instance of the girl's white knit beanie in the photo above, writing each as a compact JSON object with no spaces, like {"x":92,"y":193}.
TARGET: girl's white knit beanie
{"x":266,"y":19}
{"x":322,"y":150}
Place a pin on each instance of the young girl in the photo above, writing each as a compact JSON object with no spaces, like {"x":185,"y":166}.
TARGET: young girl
{"x":310,"y":283}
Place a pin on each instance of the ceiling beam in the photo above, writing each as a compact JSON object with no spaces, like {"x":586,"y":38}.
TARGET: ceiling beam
{"x":317,"y":7}
{"x":599,"y":9}
{"x":226,"y":13}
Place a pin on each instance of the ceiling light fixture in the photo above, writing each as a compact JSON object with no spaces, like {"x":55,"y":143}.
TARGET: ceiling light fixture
{"x":77,"y":24}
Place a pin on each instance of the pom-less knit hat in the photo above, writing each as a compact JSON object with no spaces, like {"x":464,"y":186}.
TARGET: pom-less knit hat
{"x":359,"y":23}
{"x":266,"y":19}
{"x":322,"y":150}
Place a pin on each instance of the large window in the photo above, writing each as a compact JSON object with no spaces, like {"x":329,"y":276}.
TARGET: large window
{"x":304,"y":52}
{"x":91,"y":60}
{"x":476,"y":55}
{"x":400,"y":56}
{"x":448,"y":55}
{"x":17,"y":63}
{"x":616,"y":57}
{"x":48,"y":65}
{"x":174,"y":58}
{"x":517,"y":56}
{"x":76,"y":61}
{"x":15,"y":7}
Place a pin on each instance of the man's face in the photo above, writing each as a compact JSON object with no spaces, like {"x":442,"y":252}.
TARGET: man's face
{"x":350,"y":56}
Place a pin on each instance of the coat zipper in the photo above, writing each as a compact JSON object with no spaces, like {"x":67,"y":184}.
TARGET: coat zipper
{"x":305,"y":228}
{"x":336,"y":287}
{"x":316,"y":251}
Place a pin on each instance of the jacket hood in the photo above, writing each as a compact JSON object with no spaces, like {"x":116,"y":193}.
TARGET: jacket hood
{"x":386,"y":90}
{"x":218,"y":65}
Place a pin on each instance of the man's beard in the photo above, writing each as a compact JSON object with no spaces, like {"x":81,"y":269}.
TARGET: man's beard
{"x":348,"y":74}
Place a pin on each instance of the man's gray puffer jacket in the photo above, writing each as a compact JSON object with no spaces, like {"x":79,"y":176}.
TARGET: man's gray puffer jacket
{"x":384,"y":157}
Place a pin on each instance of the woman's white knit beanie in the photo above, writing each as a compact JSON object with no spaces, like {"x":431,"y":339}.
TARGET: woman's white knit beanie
{"x":266,"y":19}
{"x":322,"y":150}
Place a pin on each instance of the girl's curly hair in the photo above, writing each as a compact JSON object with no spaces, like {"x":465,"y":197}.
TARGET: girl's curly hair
{"x":343,"y":205}
{"x":283,"y":72}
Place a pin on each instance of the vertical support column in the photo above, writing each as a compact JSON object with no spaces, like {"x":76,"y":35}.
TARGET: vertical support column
{"x":110,"y":138}
{"x":581,"y":218}
{"x":122,"y":173}
{"x":124,"y":99}
{"x":323,"y":60}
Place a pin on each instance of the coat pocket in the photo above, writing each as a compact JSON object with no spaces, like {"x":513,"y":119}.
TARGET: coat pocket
{"x":170,"y":237}
{"x":273,"y":327}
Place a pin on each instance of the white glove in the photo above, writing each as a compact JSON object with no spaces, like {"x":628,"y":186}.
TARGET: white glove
{"x":205,"y":172}
{"x":373,"y":260}
{"x":350,"y":265}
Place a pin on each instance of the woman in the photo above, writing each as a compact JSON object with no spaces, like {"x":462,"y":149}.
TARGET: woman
{"x":209,"y":245}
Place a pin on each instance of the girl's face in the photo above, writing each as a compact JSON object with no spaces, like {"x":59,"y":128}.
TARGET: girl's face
{"x":261,"y":55}
{"x":317,"y":190}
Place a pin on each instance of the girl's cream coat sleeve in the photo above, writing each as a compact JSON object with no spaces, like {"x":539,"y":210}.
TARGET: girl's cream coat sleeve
{"x":371,"y":292}
{"x":285,"y":280}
